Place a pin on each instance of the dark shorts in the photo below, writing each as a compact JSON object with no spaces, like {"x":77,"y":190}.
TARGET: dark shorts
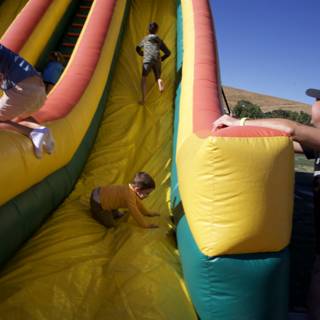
{"x":154,"y":66}
{"x":109,"y":218}
{"x":316,"y":199}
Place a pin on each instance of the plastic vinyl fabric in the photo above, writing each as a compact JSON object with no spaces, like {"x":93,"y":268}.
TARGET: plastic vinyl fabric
{"x":236,"y":185}
{"x":25,"y":213}
{"x":8,"y":11}
{"x":24,"y":24}
{"x":74,"y":268}
{"x":235,"y":287}
{"x":240,"y":197}
{"x":17,"y":156}
{"x":32,"y":50}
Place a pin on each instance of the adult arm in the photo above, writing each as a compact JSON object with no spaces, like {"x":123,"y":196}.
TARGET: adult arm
{"x":297,"y":147}
{"x":304,"y":135}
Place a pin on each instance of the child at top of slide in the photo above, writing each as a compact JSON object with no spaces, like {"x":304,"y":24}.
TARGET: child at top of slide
{"x":149,"y":48}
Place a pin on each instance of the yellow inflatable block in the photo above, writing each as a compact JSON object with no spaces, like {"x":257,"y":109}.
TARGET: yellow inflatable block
{"x":239,"y":200}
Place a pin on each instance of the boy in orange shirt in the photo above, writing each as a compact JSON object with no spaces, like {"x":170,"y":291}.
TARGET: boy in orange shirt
{"x":105,"y":201}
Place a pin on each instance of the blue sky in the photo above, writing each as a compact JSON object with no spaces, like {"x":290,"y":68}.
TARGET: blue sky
{"x":269,"y":46}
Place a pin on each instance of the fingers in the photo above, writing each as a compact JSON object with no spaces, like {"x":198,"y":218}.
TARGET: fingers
{"x":225,"y":121}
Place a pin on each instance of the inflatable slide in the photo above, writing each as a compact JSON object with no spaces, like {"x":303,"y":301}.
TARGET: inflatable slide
{"x":232,"y":231}
{"x":232,"y":191}
{"x":73,"y":267}
{"x":8,"y":11}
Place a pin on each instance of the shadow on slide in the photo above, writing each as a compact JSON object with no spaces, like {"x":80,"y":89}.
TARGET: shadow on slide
{"x":74,"y":268}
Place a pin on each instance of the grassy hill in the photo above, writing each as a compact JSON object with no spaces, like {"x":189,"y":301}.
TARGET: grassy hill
{"x":266,"y":103}
{"x":269,"y":103}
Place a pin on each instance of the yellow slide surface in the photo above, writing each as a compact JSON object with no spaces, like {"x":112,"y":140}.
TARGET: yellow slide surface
{"x":9,"y":9}
{"x":74,"y":268}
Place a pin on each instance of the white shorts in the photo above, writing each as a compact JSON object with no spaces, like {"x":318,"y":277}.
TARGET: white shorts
{"x":22,"y":100}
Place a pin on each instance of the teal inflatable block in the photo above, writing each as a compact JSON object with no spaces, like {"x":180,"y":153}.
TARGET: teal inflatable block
{"x":235,"y":287}
{"x":175,"y":194}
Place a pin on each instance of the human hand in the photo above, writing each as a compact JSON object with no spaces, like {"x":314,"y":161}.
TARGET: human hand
{"x":225,"y":121}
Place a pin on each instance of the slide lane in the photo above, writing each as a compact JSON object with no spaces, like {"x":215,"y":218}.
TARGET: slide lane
{"x":74,"y":135}
{"x":74,"y":267}
{"x":8,"y":11}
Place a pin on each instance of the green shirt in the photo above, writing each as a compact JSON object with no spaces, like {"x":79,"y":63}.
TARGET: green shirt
{"x":151,"y":45}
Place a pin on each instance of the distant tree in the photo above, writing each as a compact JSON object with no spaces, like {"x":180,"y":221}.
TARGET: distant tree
{"x":247,"y":109}
{"x":286,"y":114}
{"x":304,"y":118}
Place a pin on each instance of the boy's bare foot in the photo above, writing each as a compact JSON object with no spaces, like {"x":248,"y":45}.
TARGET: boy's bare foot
{"x":160,"y":85}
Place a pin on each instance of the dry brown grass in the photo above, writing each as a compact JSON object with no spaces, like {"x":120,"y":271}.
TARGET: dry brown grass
{"x":266,"y":103}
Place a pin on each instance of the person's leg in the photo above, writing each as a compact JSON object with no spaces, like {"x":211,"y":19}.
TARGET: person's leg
{"x":143,"y":89}
{"x":157,"y":74}
{"x":102,"y":216}
{"x":314,"y":290}
{"x":160,"y":85}
{"x":10,"y":125}
{"x":119,"y":216}
{"x":146,"y":68}
{"x":22,"y":102}
{"x":38,"y":136}
{"x":36,"y":131}
{"x":116,"y":214}
{"x":9,"y":109}
{"x":26,"y":118}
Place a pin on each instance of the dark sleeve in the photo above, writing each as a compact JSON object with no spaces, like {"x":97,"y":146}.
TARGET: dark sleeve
{"x":139,"y":51}
{"x":139,"y":48}
{"x":309,"y":153}
{"x":165,"y":50}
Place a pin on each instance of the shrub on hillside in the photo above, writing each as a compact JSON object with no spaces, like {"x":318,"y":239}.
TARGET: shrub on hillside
{"x":247,"y":109}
